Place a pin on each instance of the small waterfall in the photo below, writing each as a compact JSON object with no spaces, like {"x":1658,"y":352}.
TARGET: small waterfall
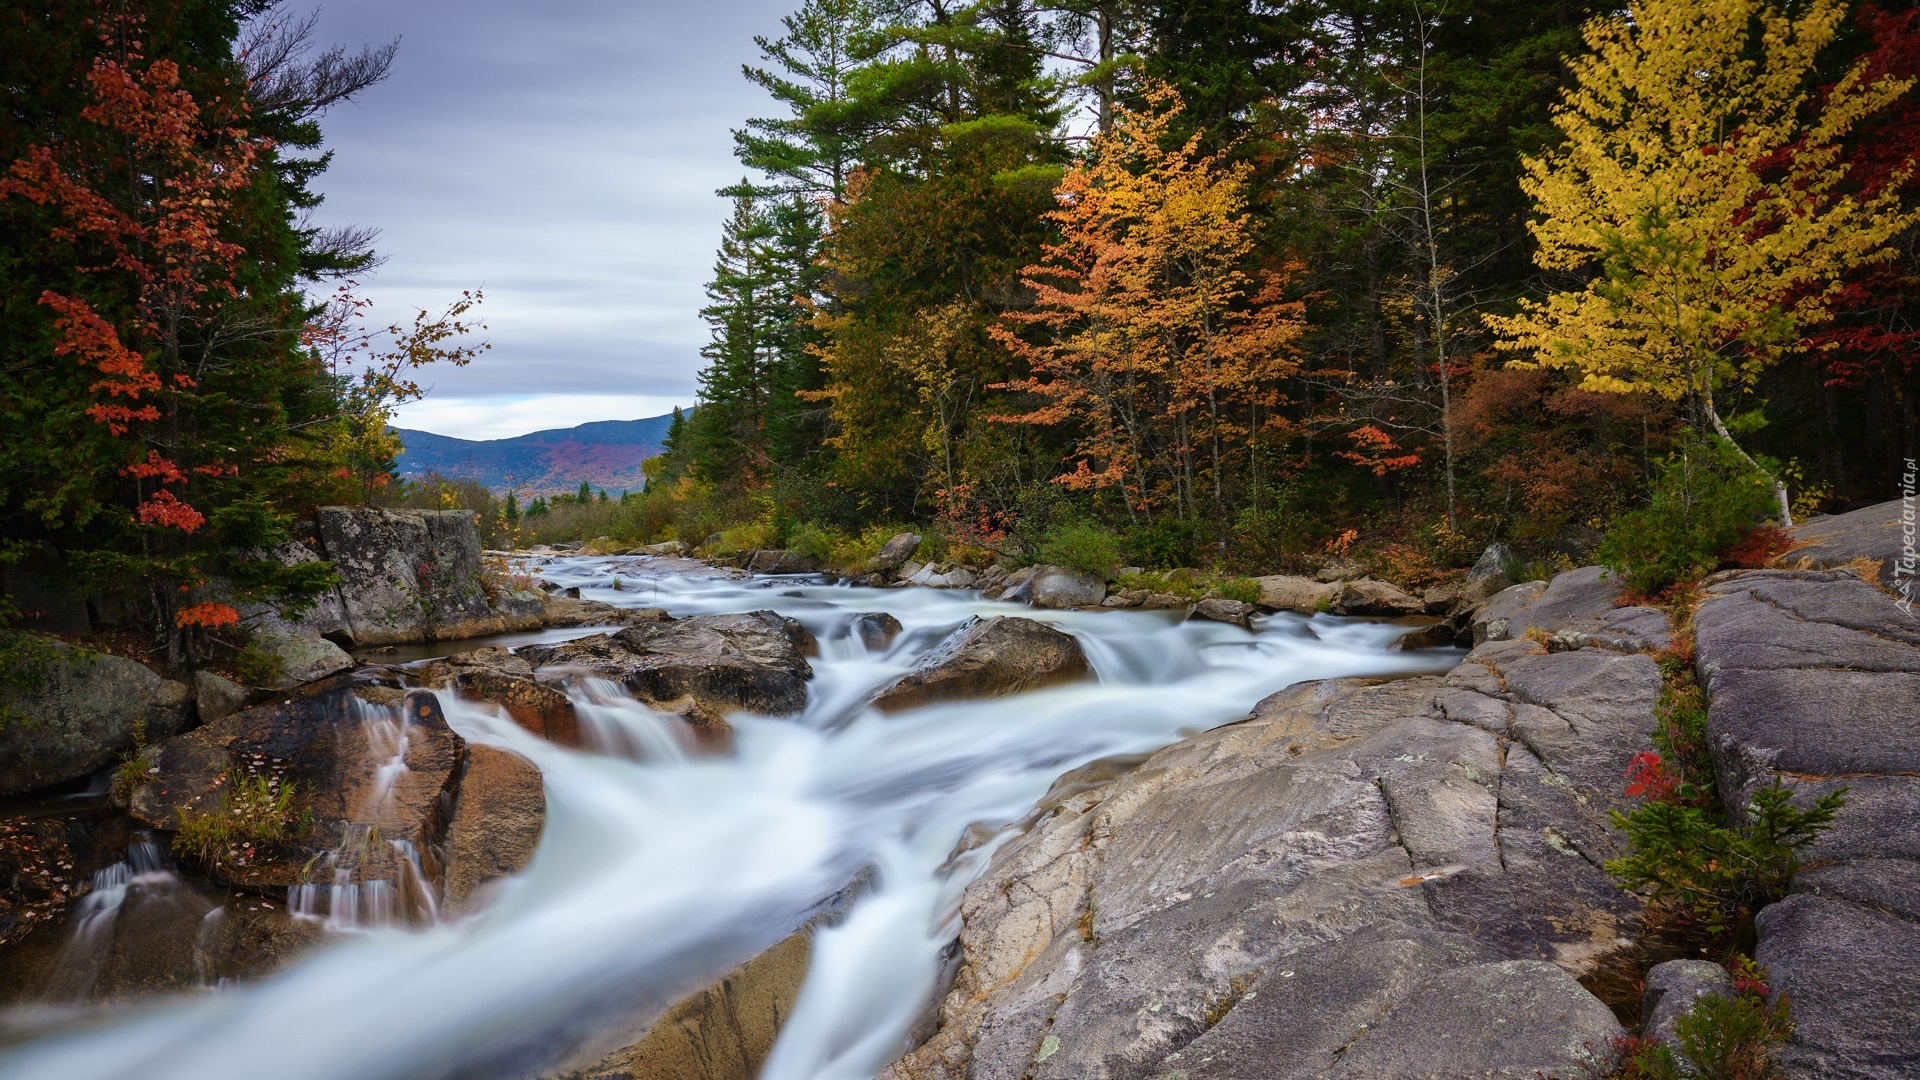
{"x":615,"y":723}
{"x":144,"y":873}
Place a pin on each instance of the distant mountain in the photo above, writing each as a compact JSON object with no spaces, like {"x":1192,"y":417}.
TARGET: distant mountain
{"x":605,"y":453}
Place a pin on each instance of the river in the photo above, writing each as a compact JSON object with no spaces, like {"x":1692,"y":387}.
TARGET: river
{"x":659,"y":871}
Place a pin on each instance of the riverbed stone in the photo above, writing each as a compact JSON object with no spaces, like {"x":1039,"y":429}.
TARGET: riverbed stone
{"x":215,"y":697}
{"x":495,"y":675}
{"x":560,"y":611}
{"x":987,"y":658}
{"x":1368,"y":596}
{"x":875,"y":630}
{"x":78,"y":710}
{"x":1233,"y":612}
{"x":1672,"y":988}
{"x":895,"y":552}
{"x":1491,"y":573}
{"x":1058,"y":588}
{"x":1285,"y":592}
{"x":705,"y":666}
{"x":782,"y":561}
{"x":498,"y":815}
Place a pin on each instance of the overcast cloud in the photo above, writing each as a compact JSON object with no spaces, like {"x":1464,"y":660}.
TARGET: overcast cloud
{"x":563,"y":155}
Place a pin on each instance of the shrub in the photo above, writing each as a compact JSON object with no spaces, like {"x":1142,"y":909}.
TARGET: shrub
{"x":1706,"y":871}
{"x":816,"y":541}
{"x":1082,"y":546}
{"x":1705,"y":499}
{"x":1721,"y":1037}
{"x":255,"y":666}
{"x":752,"y":536}
{"x":1245,"y":590}
{"x":1163,"y":542}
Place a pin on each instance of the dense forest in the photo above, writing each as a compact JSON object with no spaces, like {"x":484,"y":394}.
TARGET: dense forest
{"x":1246,"y":284}
{"x":185,"y":364}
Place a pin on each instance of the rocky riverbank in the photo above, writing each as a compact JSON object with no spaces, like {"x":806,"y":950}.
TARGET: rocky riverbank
{"x":1367,"y":878}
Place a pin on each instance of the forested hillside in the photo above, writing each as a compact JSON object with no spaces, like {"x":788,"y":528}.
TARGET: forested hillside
{"x":605,"y":453}
{"x":1254,"y":284}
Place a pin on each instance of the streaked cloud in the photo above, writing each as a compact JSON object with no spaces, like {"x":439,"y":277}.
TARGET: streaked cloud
{"x":563,"y":156}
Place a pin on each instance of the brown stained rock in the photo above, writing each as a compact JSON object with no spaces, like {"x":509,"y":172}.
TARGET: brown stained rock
{"x":724,"y":1032}
{"x":1366,"y":596}
{"x":497,"y":818}
{"x":496,"y":675}
{"x":329,"y":740}
{"x":563,"y":611}
{"x":876,"y":630}
{"x":987,"y":658}
{"x":1283,"y":592}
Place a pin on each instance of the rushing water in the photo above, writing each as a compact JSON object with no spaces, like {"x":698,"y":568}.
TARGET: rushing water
{"x":659,"y":871}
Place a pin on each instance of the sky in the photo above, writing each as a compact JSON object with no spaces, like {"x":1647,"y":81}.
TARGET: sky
{"x":562,"y":156}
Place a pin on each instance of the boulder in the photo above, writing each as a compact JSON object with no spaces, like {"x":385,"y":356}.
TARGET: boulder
{"x":521,"y":609}
{"x":407,"y":575}
{"x":1811,"y":678}
{"x":1224,"y":611}
{"x":215,"y":697}
{"x":72,"y":711}
{"x":895,"y":552}
{"x":495,"y":675}
{"x":1366,"y":878}
{"x":1672,"y":988}
{"x":906,"y":570}
{"x":987,"y":658}
{"x":670,"y":547}
{"x":875,"y":630}
{"x":497,"y":818}
{"x":1366,"y":596}
{"x":1438,"y":636}
{"x":774,"y":561}
{"x":1055,"y":587}
{"x":1580,"y":607}
{"x":302,"y":659}
{"x":335,"y":742}
{"x":1491,"y":573}
{"x":705,"y":666}
{"x":1283,"y":592}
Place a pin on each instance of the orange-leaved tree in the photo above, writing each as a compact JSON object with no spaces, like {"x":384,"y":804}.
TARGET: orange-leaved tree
{"x":1156,"y":331}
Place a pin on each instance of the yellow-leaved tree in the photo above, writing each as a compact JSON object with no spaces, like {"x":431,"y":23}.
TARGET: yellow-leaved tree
{"x":1701,"y":185}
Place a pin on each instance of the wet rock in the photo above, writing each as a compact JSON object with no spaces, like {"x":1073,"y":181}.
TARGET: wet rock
{"x":1492,"y":573}
{"x":1366,"y":596}
{"x":987,"y":658}
{"x":1366,"y":878}
{"x":895,"y":552}
{"x":1811,"y":677}
{"x":1224,"y":611}
{"x":215,"y":697}
{"x":497,"y":818}
{"x":724,"y":1032}
{"x":302,"y":659}
{"x":775,"y":561}
{"x":1058,"y":588}
{"x":79,"y":711}
{"x":331,"y":740}
{"x":561,"y":611}
{"x":876,"y":630}
{"x":707,"y":665}
{"x":1672,"y":988}
{"x":1438,"y":636}
{"x":496,"y":675}
{"x":1283,"y":592}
